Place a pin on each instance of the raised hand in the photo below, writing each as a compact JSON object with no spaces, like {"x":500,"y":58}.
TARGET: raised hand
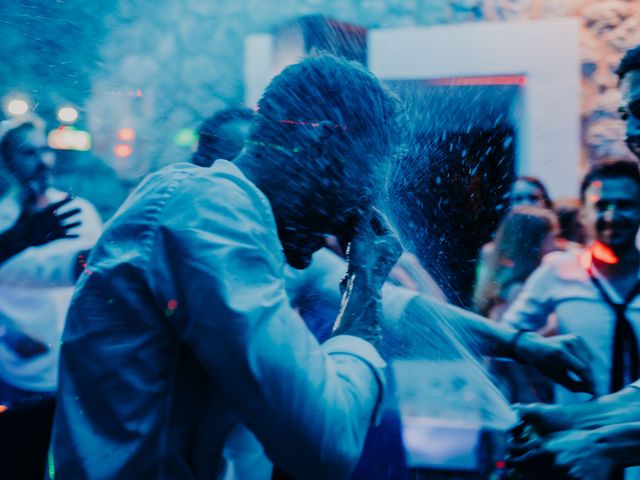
{"x":38,"y":227}
{"x":371,"y":255}
{"x":45,"y":225}
{"x":565,"y":359}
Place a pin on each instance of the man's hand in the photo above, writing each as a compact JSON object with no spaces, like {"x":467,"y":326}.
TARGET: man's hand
{"x":45,"y":225}
{"x":371,"y":255}
{"x":373,"y":252}
{"x":565,"y":359}
{"x":576,"y":454}
{"x":546,"y":419}
{"x":38,"y":227}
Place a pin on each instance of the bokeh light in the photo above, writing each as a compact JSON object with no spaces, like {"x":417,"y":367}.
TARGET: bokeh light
{"x":67,"y":114}
{"x":17,"y":106}
{"x":122,"y":150}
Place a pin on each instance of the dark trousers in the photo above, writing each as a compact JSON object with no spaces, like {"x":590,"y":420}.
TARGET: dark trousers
{"x":25,"y":430}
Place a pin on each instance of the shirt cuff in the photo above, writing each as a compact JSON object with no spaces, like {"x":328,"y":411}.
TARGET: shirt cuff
{"x":636,"y":384}
{"x":357,"y":347}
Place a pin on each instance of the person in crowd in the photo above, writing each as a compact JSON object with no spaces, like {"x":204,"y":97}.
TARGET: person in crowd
{"x":222,"y":135}
{"x":36,"y":284}
{"x":594,"y":292}
{"x":44,"y":232}
{"x":181,"y":326}
{"x":525,"y":191}
{"x":525,"y":235}
{"x":592,"y":440}
{"x":629,"y":74}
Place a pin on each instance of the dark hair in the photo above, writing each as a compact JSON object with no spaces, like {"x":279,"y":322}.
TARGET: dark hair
{"x":10,"y":131}
{"x":630,"y":62}
{"x":571,"y":229}
{"x":518,"y":252}
{"x":536,"y":182}
{"x":349,"y":98}
{"x":210,"y":146}
{"x":612,"y":168}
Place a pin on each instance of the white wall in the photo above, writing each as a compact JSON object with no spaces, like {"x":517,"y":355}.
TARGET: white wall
{"x":546,"y":51}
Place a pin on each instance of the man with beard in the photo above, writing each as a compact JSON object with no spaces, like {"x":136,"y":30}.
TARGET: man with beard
{"x":43,"y":232}
{"x":181,"y":326}
{"x":594,"y":292}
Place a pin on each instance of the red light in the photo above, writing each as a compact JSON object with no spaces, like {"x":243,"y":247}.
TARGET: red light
{"x":501,"y":464}
{"x":600,"y":251}
{"x":126,"y":134}
{"x":172,"y":304}
{"x":604,"y":253}
{"x":519,"y":80}
{"x":122,"y":150}
{"x":3,"y":408}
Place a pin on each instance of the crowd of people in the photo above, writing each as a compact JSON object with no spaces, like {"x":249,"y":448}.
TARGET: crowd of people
{"x":235,"y":318}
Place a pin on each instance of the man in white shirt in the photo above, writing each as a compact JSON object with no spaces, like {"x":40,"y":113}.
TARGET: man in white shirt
{"x":43,"y":233}
{"x":181,"y":326}
{"x":595,"y":293}
{"x":36,"y":284}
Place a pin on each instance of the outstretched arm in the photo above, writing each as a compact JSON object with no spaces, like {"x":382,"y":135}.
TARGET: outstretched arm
{"x":565,"y":359}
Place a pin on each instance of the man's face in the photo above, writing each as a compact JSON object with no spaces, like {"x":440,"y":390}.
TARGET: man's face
{"x":323,"y":201}
{"x":526,"y":193}
{"x":611,"y":212}
{"x":304,"y":231}
{"x":31,"y":161}
{"x":630,"y":109}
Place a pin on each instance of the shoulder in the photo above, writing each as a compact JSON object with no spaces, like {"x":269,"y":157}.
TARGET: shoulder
{"x":556,"y":267}
{"x":218,"y":205}
{"x":220,"y":188}
{"x":563,"y":263}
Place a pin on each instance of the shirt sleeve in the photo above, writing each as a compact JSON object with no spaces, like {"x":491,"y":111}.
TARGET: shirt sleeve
{"x":309,"y":405}
{"x":531,"y":308}
{"x":53,"y":264}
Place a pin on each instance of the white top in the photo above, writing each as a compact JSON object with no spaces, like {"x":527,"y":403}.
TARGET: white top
{"x":36,"y":287}
{"x":181,"y":328}
{"x":561,"y":285}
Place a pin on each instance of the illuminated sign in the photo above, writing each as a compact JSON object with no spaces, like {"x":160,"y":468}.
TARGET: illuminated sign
{"x":69,"y":138}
